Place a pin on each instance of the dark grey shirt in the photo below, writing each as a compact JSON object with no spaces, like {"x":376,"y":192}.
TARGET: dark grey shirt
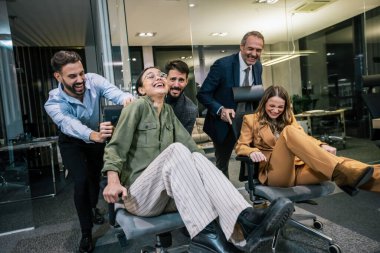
{"x":185,"y":110}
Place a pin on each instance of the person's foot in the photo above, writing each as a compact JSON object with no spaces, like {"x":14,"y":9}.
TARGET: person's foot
{"x":97,"y":216}
{"x":260,"y":227}
{"x":85,"y":244}
{"x":349,"y":179}
{"x":211,"y":239}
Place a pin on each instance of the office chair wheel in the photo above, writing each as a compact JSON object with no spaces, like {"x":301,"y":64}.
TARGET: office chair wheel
{"x":317,"y":224}
{"x":334,"y":248}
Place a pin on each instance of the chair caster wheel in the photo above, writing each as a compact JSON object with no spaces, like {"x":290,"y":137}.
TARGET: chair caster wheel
{"x":317,"y":224}
{"x":334,"y":248}
{"x":148,"y":249}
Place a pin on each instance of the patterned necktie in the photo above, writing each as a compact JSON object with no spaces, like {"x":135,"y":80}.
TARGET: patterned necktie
{"x":246,"y":78}
{"x":243,"y":107}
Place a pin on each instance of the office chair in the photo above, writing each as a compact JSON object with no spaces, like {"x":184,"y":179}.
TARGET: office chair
{"x":128,"y":226}
{"x":372,"y":101}
{"x":259,"y":193}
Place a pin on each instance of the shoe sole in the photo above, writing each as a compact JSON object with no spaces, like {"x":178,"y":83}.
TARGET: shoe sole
{"x":274,"y":220}
{"x":352,"y":191}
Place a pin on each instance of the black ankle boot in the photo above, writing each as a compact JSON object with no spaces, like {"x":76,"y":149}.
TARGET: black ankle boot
{"x":261,"y":227}
{"x":97,"y":217}
{"x":85,"y":244}
{"x":211,"y":239}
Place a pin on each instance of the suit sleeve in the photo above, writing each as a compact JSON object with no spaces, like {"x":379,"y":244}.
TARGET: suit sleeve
{"x":206,"y":93}
{"x":244,"y":145}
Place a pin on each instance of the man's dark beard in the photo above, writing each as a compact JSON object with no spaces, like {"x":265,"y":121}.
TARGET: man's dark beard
{"x":72,"y":89}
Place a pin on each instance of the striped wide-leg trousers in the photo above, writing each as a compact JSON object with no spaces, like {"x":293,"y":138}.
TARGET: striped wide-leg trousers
{"x":188,"y":182}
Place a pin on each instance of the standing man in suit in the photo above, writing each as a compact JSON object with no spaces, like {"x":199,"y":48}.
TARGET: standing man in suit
{"x":240,"y":69}
{"x":178,"y":77}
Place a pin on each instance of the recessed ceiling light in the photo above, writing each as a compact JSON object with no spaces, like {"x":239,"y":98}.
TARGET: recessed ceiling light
{"x":191,"y":5}
{"x":146,"y":34}
{"x":218,"y":34}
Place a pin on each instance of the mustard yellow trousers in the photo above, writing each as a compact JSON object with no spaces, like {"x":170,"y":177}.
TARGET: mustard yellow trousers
{"x":318,"y":164}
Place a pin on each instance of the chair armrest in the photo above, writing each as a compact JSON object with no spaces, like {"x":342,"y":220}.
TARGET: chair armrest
{"x":111,"y":206}
{"x":249,"y":171}
{"x":243,"y":158}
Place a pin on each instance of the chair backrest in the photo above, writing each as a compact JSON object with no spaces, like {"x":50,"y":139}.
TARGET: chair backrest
{"x":371,"y":99}
{"x":245,"y":94}
{"x":112,"y":113}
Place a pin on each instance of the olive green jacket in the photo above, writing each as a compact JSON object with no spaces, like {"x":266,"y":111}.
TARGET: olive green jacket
{"x":140,"y":136}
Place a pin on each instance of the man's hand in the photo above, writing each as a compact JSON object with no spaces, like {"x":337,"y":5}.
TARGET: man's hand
{"x":105,"y":132}
{"x":227,"y":115}
{"x":114,"y":188}
{"x":257,"y":156}
{"x":329,"y":149}
{"x":128,"y":101}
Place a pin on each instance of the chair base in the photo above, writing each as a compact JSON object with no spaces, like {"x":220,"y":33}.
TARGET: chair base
{"x":333,"y":247}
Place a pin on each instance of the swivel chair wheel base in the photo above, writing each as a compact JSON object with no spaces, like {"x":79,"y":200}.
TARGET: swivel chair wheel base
{"x":317,"y":224}
{"x":334,"y":248}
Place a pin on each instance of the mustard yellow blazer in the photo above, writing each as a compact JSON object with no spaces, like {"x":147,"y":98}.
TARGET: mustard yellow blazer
{"x":255,"y":137}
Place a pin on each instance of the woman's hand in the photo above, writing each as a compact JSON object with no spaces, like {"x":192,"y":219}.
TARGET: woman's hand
{"x":113,"y":189}
{"x":329,"y":149}
{"x":257,"y":156}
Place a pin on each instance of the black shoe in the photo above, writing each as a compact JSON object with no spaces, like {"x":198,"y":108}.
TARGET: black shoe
{"x":261,"y":227}
{"x":97,"y":217}
{"x":85,"y":244}
{"x":211,"y":240}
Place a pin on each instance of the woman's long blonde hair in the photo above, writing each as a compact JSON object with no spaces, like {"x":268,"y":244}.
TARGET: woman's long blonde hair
{"x":286,"y":118}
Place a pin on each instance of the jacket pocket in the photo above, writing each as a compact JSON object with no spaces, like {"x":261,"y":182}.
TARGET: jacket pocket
{"x":147,"y":134}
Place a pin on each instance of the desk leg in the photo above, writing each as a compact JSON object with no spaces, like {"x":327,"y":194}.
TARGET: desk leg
{"x":343,"y":122}
{"x":309,"y":125}
{"x":52,"y":167}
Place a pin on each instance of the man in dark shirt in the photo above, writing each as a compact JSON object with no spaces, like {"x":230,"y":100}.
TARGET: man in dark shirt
{"x":185,"y":110}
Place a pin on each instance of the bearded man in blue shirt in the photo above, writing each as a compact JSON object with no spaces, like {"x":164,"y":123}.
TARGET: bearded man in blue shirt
{"x":75,"y":108}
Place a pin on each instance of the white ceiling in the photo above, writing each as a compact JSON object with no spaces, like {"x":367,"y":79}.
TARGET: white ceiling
{"x":66,"y":23}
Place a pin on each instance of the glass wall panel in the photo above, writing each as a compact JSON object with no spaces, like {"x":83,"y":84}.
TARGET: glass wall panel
{"x":320,"y":61}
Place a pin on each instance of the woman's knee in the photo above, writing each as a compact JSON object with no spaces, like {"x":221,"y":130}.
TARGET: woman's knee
{"x":178,"y":147}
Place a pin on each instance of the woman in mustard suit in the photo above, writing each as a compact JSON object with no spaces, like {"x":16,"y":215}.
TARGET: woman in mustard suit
{"x":288,"y":156}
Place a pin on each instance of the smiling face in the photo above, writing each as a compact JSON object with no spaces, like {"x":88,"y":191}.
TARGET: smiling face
{"x":177,"y":82}
{"x":251,"y":50}
{"x":153,"y":83}
{"x":73,"y":79}
{"x":274,"y":107}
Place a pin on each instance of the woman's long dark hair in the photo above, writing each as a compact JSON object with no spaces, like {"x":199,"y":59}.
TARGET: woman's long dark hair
{"x":286,"y":118}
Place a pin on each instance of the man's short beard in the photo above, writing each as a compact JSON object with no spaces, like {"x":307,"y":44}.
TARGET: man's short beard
{"x":72,"y":89}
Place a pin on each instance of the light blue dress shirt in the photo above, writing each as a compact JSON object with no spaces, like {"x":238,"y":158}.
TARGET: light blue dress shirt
{"x":78,"y":119}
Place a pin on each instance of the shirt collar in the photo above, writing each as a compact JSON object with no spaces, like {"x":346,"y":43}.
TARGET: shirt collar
{"x":242,"y":63}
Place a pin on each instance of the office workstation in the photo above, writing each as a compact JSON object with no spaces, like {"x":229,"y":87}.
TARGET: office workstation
{"x":322,"y":61}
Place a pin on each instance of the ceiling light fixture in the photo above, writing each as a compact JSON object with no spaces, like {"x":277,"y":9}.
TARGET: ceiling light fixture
{"x":285,"y":56}
{"x":219,"y":34}
{"x":146,"y":34}
{"x":280,"y":59}
{"x":266,"y":1}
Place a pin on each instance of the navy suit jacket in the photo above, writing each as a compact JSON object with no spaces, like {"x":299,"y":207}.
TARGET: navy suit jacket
{"x":216,"y":91}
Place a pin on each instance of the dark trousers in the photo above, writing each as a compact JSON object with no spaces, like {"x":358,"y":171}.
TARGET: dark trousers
{"x":223,"y":152}
{"x":84,"y":162}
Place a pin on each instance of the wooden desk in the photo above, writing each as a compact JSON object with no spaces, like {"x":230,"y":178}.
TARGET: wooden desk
{"x":308,"y":115}
{"x":376,"y":123}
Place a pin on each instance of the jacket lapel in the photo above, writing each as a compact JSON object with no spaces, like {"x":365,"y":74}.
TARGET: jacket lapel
{"x":236,"y":69}
{"x":268,"y":136}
